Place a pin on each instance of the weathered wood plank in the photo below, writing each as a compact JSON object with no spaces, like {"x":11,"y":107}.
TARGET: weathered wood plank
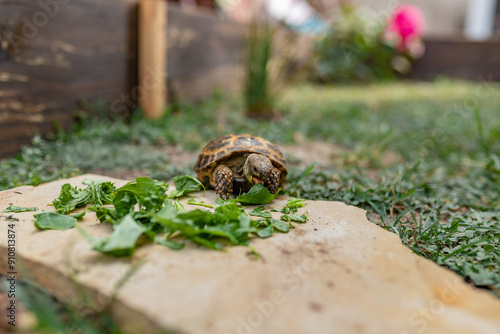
{"x":459,"y":59}
{"x":56,"y":52}
{"x":51,"y":56}
{"x":204,"y":52}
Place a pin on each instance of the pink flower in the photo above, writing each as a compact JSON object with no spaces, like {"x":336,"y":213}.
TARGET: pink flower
{"x":407,"y":22}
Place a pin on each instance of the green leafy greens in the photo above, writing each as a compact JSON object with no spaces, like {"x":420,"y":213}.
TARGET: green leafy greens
{"x":193,"y":201}
{"x":70,"y":198}
{"x":294,"y":217}
{"x":185,"y":184}
{"x":292,"y":205}
{"x":258,"y":194}
{"x":259,"y":212}
{"x":123,"y":239}
{"x":54,"y":221}
{"x":148,"y":194}
{"x":143,"y":208}
{"x":18,"y":209}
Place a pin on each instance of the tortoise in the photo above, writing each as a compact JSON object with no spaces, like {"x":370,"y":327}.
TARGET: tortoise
{"x":233,"y":163}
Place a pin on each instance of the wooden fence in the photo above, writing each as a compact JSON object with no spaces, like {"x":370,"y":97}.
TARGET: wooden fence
{"x":459,"y":59}
{"x":56,"y":52}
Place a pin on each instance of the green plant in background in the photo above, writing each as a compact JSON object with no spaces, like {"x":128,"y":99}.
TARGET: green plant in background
{"x":353,"y":50}
{"x":257,"y":90}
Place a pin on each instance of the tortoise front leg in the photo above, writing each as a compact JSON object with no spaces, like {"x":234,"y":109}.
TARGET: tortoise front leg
{"x":223,"y":177}
{"x":273,"y":181}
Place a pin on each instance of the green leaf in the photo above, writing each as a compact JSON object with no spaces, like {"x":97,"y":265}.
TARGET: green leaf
{"x":78,"y":216}
{"x":291,"y":205}
{"x":169,"y":211}
{"x":193,"y":201}
{"x":227,"y":213}
{"x":284,"y":210}
{"x":225,"y":230}
{"x":149,"y":194}
{"x":295,"y":203}
{"x":294,"y":217}
{"x":123,"y":239}
{"x":18,"y":209}
{"x":106,"y":214}
{"x":199,"y":217}
{"x":207,"y":243}
{"x":54,"y":221}
{"x":70,"y":198}
{"x":185,"y":184}
{"x":259,"y":213}
{"x":227,"y":222}
{"x":285,"y":218}
{"x":266,"y":232}
{"x":186,"y":227}
{"x":169,"y":243}
{"x":178,"y":205}
{"x":258,"y":194}
{"x":219,"y":201}
{"x":280,"y":225}
{"x":99,"y":191}
{"x":261,"y":223}
{"x":245,"y":221}
{"x":488,"y":248}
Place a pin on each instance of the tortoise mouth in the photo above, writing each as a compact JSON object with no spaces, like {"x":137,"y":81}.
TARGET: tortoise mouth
{"x":256,"y":180}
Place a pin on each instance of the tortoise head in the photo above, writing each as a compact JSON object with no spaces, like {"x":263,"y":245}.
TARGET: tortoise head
{"x":257,"y":168}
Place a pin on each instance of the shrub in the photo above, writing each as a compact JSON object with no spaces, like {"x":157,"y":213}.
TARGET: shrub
{"x":357,"y":48}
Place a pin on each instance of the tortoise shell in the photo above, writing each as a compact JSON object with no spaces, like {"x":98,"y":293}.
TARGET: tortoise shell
{"x":230,"y":146}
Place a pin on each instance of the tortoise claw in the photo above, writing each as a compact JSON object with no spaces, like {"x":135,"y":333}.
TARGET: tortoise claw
{"x":227,"y":196}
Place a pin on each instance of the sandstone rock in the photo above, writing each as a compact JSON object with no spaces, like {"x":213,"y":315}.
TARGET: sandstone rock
{"x":338,"y":273}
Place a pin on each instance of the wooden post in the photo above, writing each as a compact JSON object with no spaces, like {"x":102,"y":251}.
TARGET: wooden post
{"x":152,"y":88}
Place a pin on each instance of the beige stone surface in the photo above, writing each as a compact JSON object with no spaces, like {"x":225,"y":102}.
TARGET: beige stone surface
{"x":338,"y":273}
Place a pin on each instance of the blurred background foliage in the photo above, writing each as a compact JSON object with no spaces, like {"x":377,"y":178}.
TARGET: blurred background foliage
{"x":361,"y":47}
{"x":257,"y":85}
{"x":353,"y":50}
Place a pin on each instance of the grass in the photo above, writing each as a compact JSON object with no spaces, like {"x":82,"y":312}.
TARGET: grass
{"x":442,"y":199}
{"x":85,"y":313}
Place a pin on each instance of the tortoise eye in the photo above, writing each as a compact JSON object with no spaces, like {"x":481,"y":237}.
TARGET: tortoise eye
{"x":254,"y":169}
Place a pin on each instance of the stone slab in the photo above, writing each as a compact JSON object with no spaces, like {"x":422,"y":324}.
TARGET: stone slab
{"x":338,"y":273}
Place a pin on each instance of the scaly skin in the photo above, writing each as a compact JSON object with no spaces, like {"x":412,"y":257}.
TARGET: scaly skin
{"x":223,"y":182}
{"x":258,"y":166}
{"x":273,"y":181}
